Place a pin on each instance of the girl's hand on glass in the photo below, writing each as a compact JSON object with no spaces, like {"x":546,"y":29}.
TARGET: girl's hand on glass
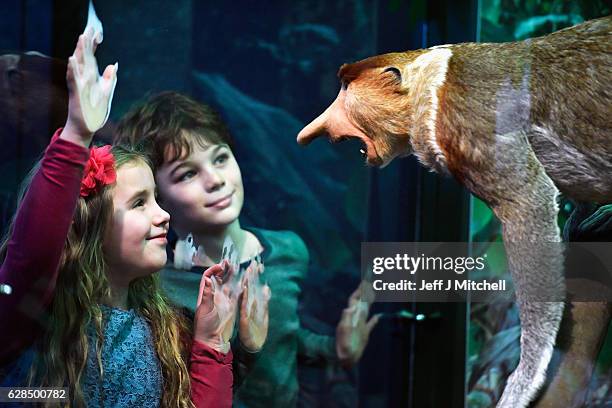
{"x":215,"y":310}
{"x":89,"y":95}
{"x":353,"y":330}
{"x":254,"y":302}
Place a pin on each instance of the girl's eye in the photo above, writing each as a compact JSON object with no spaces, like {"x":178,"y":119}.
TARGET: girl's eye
{"x":187,"y":175}
{"x":222,"y":158}
{"x":138,"y":203}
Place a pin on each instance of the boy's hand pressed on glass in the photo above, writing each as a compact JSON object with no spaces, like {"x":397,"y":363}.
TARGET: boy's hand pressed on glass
{"x":253,"y":324}
{"x":354,"y":328}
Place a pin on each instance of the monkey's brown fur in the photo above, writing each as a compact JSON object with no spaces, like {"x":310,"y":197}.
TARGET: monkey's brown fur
{"x":515,"y":123}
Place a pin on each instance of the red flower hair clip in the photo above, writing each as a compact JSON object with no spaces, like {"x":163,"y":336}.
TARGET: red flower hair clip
{"x":99,"y":170}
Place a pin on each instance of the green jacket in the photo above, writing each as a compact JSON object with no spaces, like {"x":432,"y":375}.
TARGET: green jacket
{"x":271,"y":374}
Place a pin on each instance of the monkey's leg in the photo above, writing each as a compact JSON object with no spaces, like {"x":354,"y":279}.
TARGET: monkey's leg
{"x":585,"y":324}
{"x":582,"y":333}
{"x":535,"y":260}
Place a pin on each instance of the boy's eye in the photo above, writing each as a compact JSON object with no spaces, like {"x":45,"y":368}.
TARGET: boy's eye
{"x":187,"y":175}
{"x":222,"y":158}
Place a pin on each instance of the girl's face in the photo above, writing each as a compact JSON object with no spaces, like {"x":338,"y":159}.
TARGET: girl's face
{"x":202,"y":191}
{"x":135,"y":244}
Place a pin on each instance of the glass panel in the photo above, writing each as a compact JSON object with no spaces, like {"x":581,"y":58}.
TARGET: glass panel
{"x":268,"y":68}
{"x":493,"y":343}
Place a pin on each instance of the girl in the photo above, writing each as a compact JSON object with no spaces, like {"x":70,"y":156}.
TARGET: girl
{"x":200,"y":184}
{"x":85,"y":310}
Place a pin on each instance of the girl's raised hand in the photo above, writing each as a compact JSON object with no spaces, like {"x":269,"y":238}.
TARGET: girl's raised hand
{"x":215,"y":310}
{"x":90,"y":95}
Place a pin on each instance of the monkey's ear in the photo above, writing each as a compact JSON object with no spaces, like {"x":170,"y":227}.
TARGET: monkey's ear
{"x":396,"y":72}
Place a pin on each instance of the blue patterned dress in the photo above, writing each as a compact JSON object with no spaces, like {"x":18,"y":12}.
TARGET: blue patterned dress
{"x":131,"y":370}
{"x":132,"y":373}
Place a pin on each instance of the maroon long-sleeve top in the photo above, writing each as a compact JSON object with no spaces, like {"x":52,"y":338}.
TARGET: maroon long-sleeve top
{"x":31,"y":269}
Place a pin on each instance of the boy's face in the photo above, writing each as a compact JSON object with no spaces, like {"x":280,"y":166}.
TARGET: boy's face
{"x":202,"y":191}
{"x":135,"y":244}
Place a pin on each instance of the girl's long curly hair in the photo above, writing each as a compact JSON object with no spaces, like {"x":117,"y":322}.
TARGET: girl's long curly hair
{"x":82,"y":286}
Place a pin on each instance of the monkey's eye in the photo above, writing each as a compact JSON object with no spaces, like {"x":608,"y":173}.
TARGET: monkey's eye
{"x":344,"y":85}
{"x":394,"y":71}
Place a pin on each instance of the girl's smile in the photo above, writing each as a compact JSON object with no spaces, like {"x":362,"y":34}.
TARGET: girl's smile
{"x":160,"y":238}
{"x":136,"y":242}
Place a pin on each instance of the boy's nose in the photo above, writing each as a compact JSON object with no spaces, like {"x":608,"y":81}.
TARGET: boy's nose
{"x":213,"y":181}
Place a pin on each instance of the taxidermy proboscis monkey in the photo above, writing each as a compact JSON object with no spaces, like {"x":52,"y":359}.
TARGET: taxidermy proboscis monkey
{"x":516,"y":123}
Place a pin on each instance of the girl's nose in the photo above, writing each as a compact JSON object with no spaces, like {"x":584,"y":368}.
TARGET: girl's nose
{"x":161,"y":216}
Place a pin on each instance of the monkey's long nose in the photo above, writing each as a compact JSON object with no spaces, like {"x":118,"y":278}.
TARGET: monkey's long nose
{"x":314,"y":128}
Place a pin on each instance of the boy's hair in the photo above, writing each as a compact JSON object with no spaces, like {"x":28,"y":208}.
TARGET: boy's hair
{"x":167,"y":124}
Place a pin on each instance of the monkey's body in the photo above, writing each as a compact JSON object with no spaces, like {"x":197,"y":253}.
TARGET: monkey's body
{"x":515,"y":123}
{"x":555,"y":90}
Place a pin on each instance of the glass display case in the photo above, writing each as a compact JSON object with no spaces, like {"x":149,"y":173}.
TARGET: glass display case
{"x":269,"y":68}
